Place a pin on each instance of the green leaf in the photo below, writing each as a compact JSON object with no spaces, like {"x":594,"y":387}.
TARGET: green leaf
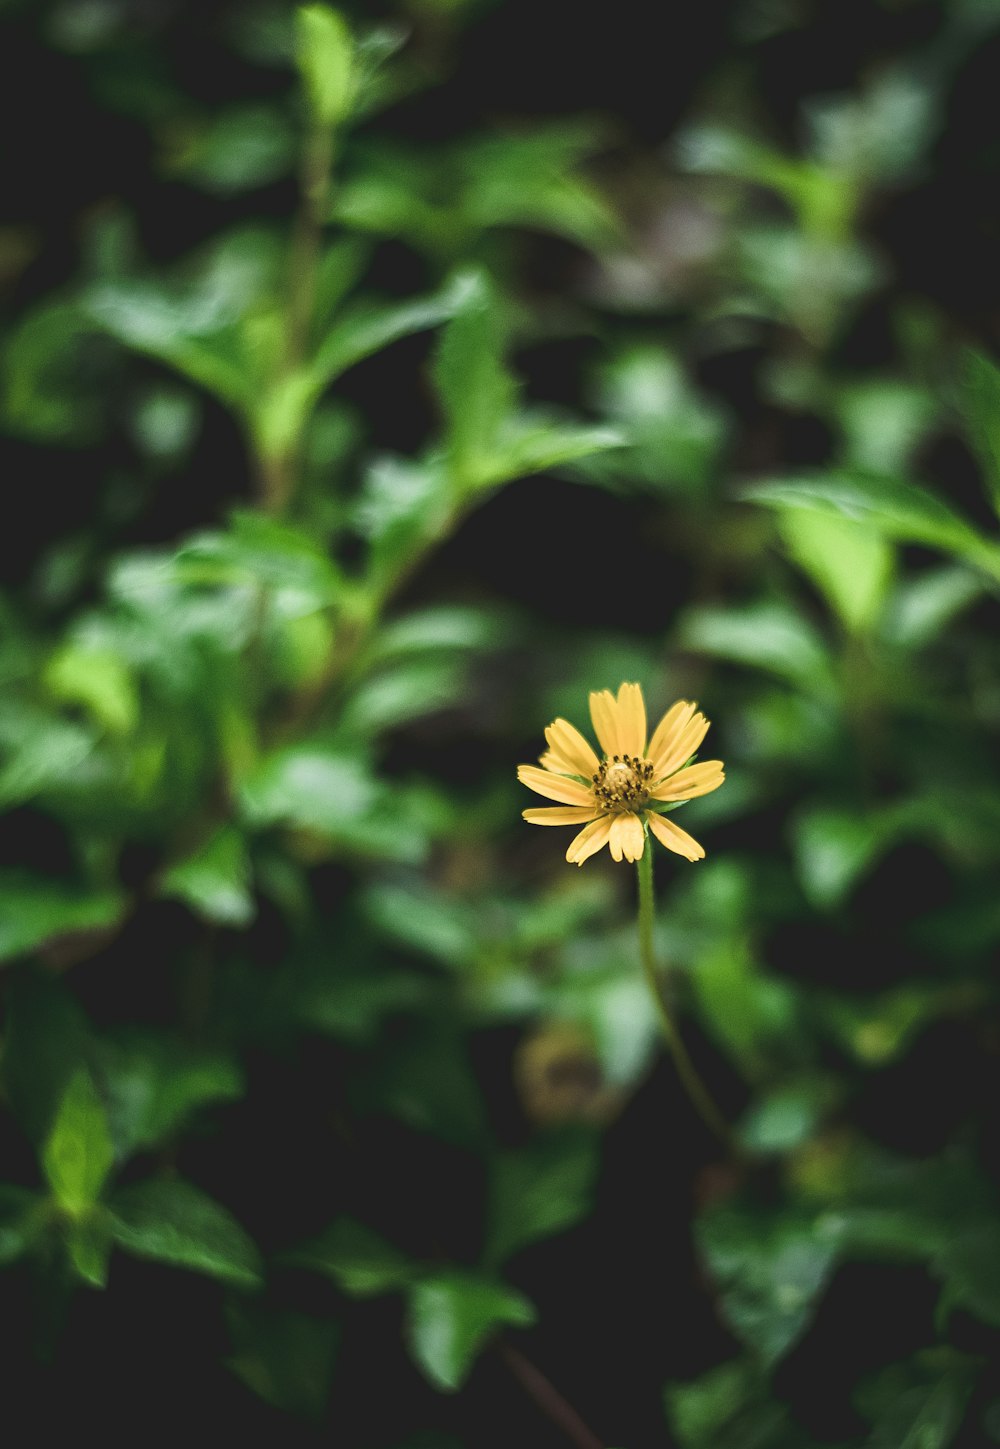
{"x":833,"y":850}
{"x":477,"y":393}
{"x":21,"y":1216}
{"x":981,"y":406}
{"x":529,"y":446}
{"x":34,"y":911}
{"x":745,"y":1009}
{"x":88,"y":1246}
{"x":261,"y":552}
{"x":324,"y":51}
{"x":369,"y":327}
{"x":969,"y":1263}
{"x":450,"y":1317}
{"x":155,"y":1083}
{"x":432,"y":923}
{"x":895,"y":508}
{"x":97,"y":679}
{"x":78,"y":1155}
{"x":359,"y":1261}
{"x":426,"y":1081}
{"x":215,"y":881}
{"x":770,"y":1271}
{"x":784,"y":1118}
{"x":284,"y":1357}
{"x":919,"y":1404}
{"x":173,"y":1222}
{"x":729,"y":1408}
{"x":850,"y":564}
{"x":920,"y":608}
{"x":537,"y":1191}
{"x":762,"y":636}
{"x":241,"y":149}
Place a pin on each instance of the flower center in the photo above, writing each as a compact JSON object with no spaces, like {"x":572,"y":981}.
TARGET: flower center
{"x":622,"y":783}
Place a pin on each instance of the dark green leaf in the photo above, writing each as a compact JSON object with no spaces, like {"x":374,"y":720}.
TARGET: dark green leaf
{"x":358,"y":1260}
{"x":21,"y":1217}
{"x":173,"y":1222}
{"x":981,"y":405}
{"x":286,"y":1358}
{"x":537,"y":1191}
{"x":770,"y":1271}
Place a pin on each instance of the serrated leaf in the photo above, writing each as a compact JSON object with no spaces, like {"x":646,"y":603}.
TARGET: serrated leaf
{"x":78,"y":1154}
{"x":451,"y":1315}
{"x":171,"y":1221}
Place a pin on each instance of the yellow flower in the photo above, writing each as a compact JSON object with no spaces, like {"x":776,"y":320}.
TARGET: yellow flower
{"x":609,"y":796}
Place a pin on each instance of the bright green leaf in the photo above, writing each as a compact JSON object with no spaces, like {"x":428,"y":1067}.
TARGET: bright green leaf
{"x":896,"y":508}
{"x":215,"y":881}
{"x":324,"y":50}
{"x":97,"y":679}
{"x":33,"y":911}
{"x":850,"y":564}
{"x":78,"y":1155}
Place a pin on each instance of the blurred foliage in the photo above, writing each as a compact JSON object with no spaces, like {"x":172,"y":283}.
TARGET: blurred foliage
{"x":363,"y":417}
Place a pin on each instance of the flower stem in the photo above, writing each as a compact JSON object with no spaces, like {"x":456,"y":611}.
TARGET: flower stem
{"x":693,"y":1085}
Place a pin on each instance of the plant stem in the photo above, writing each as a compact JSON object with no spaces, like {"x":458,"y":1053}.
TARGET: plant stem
{"x":693,"y":1085}
{"x":548,"y":1398}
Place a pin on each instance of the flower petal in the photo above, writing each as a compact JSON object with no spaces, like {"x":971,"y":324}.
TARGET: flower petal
{"x":674,"y":838}
{"x":676,"y":717}
{"x":590,"y":840}
{"x":680,"y":747}
{"x":560,"y":815}
{"x":631,"y":720}
{"x":569,"y":744}
{"x":686,"y":784}
{"x":627,"y":837}
{"x":554,"y":787}
{"x":553,"y":761}
{"x":604,"y":715}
